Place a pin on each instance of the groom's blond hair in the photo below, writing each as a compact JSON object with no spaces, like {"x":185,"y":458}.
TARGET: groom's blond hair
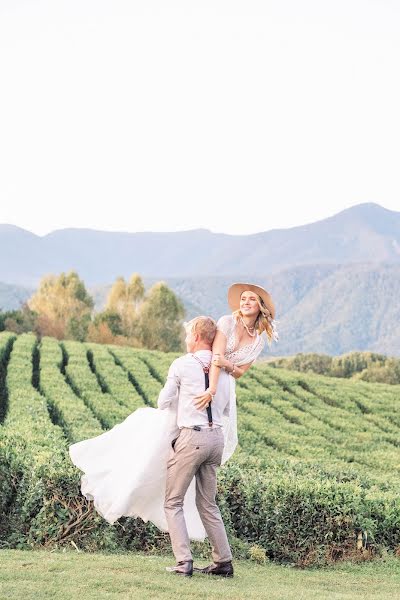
{"x":205,"y":327}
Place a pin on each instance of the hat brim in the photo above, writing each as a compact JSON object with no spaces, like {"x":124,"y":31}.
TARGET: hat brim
{"x":236,"y":290}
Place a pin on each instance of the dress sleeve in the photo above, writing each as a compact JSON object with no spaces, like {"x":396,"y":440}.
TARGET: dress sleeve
{"x":258,"y":349}
{"x":225,"y":324}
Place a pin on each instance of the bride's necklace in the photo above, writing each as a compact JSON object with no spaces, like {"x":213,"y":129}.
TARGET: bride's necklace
{"x":248,"y":328}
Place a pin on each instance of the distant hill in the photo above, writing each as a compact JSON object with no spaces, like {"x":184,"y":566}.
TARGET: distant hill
{"x":336,"y":282}
{"x":362,"y":233}
{"x":12,"y":296}
{"x":354,"y":308}
{"x":332,"y":309}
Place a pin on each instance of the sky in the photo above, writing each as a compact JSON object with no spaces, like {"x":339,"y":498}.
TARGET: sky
{"x":236,"y":117}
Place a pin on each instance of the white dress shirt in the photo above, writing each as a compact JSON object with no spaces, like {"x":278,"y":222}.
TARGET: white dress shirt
{"x":185,"y":381}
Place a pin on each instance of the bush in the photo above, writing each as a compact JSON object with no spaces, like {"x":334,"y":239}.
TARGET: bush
{"x":313,"y":470}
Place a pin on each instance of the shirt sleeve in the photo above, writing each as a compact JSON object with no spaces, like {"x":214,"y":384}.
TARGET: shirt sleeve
{"x":224,"y":324}
{"x":170,"y":391}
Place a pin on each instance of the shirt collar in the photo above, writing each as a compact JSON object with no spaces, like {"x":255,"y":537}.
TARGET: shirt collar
{"x":202,"y":352}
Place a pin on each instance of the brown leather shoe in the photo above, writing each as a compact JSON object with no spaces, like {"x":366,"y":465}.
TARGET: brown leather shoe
{"x":183,"y":567}
{"x":223,"y":569}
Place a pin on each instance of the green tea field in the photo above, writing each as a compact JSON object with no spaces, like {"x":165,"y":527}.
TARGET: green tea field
{"x":316,"y":477}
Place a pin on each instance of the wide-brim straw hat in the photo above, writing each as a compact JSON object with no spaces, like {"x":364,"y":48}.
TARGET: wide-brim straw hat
{"x":236,"y":290}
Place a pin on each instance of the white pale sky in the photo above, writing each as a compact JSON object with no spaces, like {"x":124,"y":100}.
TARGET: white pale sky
{"x":161,"y":115}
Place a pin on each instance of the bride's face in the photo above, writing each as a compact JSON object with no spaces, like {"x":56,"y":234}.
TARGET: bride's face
{"x":249,"y":304}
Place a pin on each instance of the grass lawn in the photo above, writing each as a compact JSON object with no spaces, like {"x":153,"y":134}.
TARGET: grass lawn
{"x":40,"y":575}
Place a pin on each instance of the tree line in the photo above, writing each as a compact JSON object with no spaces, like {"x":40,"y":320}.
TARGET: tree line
{"x":366,"y":366}
{"x":62,"y":308}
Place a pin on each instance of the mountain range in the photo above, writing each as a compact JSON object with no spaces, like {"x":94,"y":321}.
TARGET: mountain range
{"x":335,"y":282}
{"x":362,"y":233}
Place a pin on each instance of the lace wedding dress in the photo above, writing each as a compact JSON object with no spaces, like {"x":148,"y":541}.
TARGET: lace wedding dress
{"x":125,"y":468}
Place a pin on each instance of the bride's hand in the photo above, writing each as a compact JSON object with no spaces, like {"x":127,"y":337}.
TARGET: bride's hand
{"x":219,"y":360}
{"x":202,"y":401}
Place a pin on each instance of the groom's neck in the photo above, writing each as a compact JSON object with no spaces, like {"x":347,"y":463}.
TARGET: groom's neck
{"x":201,"y":346}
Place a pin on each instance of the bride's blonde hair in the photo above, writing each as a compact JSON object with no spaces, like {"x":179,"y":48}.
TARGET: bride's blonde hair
{"x":264,"y":320}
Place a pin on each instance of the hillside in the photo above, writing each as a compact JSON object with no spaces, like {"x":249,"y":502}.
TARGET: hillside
{"x":316,"y":455}
{"x":363,"y":233}
{"x":320,"y":308}
{"x":12,"y":296}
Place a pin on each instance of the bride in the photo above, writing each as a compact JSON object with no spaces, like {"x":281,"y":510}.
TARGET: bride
{"x":124,"y":469}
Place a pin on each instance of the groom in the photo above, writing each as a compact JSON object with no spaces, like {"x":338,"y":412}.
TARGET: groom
{"x":196,"y":452}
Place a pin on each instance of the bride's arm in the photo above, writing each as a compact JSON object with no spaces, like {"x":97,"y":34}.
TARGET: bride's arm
{"x":204,"y":399}
{"x":218,"y":361}
{"x":238,"y":371}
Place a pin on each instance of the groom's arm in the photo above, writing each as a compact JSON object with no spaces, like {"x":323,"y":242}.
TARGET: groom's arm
{"x":170,"y":391}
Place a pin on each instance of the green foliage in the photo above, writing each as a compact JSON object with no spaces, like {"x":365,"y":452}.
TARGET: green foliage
{"x":77,"y":328}
{"x":139,"y":373}
{"x":18,"y":321}
{"x":136,"y":290}
{"x":28,"y":440}
{"x":367,"y":366}
{"x":318,"y":457}
{"x":122,"y":308}
{"x":257,"y":553}
{"x":85,"y":384}
{"x":160,"y":320}
{"x":158,"y":363}
{"x":112,"y":319}
{"x":67,"y":409}
{"x":113,"y":378}
{"x":63,"y":306}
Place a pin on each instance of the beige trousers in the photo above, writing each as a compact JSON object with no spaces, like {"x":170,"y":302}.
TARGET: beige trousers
{"x":196,"y":453}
